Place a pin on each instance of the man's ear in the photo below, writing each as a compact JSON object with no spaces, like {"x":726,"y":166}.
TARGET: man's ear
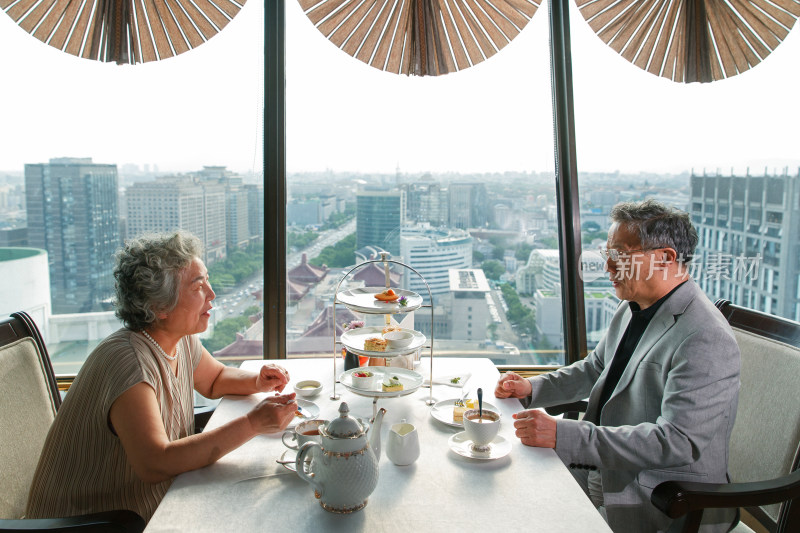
{"x":669,"y":255}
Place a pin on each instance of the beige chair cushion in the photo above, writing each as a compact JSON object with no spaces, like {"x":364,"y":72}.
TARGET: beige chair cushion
{"x":26,"y":413}
{"x":767,"y":431}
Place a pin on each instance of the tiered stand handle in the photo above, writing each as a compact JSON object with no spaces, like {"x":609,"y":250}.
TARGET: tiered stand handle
{"x":386,"y":262}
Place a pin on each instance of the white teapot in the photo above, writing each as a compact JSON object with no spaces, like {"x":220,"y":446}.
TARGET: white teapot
{"x":344,"y":471}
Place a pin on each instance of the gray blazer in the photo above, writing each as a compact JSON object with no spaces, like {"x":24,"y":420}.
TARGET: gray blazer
{"x":670,"y":416}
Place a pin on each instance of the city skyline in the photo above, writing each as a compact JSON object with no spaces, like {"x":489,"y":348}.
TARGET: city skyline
{"x":346,"y":116}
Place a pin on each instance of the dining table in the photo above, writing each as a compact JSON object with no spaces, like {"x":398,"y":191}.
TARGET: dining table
{"x":248,"y":490}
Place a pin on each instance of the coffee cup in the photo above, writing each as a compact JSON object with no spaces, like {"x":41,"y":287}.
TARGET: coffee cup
{"x":481,"y":428}
{"x":307,"y":431}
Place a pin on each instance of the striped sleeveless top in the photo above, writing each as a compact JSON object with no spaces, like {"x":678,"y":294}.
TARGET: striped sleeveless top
{"x":83,"y":467}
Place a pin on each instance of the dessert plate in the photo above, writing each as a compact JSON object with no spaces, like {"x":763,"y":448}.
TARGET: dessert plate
{"x":462,"y":445}
{"x":443,"y":412}
{"x":411,"y":381}
{"x":310,"y":411}
{"x":354,"y":339}
{"x":363,"y":300}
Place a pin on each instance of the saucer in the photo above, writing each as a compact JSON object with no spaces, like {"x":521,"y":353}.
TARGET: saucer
{"x":443,"y":411}
{"x":310,"y":409}
{"x":499,"y":447}
{"x":287,"y":460}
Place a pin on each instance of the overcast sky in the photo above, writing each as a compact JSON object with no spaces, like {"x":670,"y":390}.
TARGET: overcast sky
{"x":204,"y":108}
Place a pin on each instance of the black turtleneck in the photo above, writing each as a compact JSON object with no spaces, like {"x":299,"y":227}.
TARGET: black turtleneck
{"x":640,"y":319}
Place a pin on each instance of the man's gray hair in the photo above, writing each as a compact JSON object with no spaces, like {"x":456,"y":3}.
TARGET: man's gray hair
{"x":658,"y":226}
{"x":148,"y":275}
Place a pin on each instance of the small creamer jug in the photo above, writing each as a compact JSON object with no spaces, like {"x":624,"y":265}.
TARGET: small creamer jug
{"x":402,"y":446}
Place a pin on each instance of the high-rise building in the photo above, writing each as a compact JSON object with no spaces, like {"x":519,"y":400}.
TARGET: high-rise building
{"x":255,"y":211}
{"x":433,"y":252}
{"x":748,"y":251}
{"x":310,"y":212}
{"x":73,"y":215}
{"x":379,"y":217}
{"x":180,"y":202}
{"x":470,"y":298}
{"x":426,"y":201}
{"x":237,"y":222}
{"x":468,"y":205}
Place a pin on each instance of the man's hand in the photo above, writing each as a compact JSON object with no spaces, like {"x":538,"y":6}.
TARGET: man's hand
{"x":271,"y":378}
{"x":511,"y":385}
{"x":535,"y":428}
{"x":273,"y":413}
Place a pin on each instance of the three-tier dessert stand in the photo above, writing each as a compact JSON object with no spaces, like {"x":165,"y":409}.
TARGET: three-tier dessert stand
{"x":363,"y":301}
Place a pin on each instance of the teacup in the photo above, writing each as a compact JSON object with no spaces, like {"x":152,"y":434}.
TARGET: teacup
{"x":481,"y":430}
{"x":307,"y":431}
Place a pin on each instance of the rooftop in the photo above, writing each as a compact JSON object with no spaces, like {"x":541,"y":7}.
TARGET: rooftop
{"x":14,"y":254}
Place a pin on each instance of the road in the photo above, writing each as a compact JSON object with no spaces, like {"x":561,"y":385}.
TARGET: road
{"x":326,"y":238}
{"x":234,"y":302}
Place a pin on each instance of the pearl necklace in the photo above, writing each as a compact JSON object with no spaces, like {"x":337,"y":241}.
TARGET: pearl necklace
{"x":159,"y":348}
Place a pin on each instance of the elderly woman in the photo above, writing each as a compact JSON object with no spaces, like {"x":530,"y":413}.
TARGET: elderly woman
{"x":125,"y":427}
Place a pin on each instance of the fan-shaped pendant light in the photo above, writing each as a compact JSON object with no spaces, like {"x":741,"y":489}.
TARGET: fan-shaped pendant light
{"x":124,"y":31}
{"x":420,"y":37}
{"x":692,"y":40}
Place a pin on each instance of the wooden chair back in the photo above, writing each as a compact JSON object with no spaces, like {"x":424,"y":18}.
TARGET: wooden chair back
{"x":29,"y":399}
{"x":765,"y":443}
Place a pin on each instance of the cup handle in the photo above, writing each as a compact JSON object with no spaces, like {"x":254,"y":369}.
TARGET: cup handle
{"x":293,"y":436}
{"x":300,"y":467}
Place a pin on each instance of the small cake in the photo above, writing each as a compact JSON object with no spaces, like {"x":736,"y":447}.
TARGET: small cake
{"x":388,"y":328}
{"x":387,"y":296}
{"x":460,"y":407}
{"x":375,"y":344}
{"x":392,"y":384}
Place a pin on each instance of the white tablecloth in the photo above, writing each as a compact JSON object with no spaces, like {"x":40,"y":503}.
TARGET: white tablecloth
{"x":528,"y":490}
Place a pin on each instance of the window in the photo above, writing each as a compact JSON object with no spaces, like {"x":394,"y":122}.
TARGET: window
{"x":633,"y":143}
{"x":119,"y":151}
{"x":442,"y":174}
{"x":451,"y":175}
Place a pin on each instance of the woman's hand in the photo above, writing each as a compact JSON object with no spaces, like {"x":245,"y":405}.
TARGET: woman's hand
{"x":273,"y":414}
{"x":271,"y":378}
{"x":511,"y":385}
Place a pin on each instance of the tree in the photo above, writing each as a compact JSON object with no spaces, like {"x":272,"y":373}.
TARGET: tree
{"x":518,"y":314}
{"x":591,"y":227}
{"x":225,"y":333}
{"x":523,"y":251}
{"x":339,"y":255}
{"x":492,"y":329}
{"x":493,"y":269}
{"x":240,"y":265}
{"x":549,"y":242}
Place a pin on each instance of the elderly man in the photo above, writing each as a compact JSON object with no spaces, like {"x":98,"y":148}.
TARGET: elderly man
{"x":662,"y":384}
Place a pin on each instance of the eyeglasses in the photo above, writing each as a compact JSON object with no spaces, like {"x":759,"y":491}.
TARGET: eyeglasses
{"x":615,"y":255}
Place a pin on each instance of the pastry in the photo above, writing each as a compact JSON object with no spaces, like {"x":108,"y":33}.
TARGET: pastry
{"x":460,"y":407}
{"x":387,"y":296}
{"x":392,"y":384}
{"x":387,"y":329}
{"x":375,"y":344}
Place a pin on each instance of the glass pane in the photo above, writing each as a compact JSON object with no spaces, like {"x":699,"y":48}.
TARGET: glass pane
{"x":451,"y":176}
{"x":703,"y":148}
{"x":152,"y":147}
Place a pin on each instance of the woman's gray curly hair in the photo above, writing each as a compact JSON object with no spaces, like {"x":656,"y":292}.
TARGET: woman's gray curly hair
{"x":658,"y":226}
{"x":148,"y":275}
